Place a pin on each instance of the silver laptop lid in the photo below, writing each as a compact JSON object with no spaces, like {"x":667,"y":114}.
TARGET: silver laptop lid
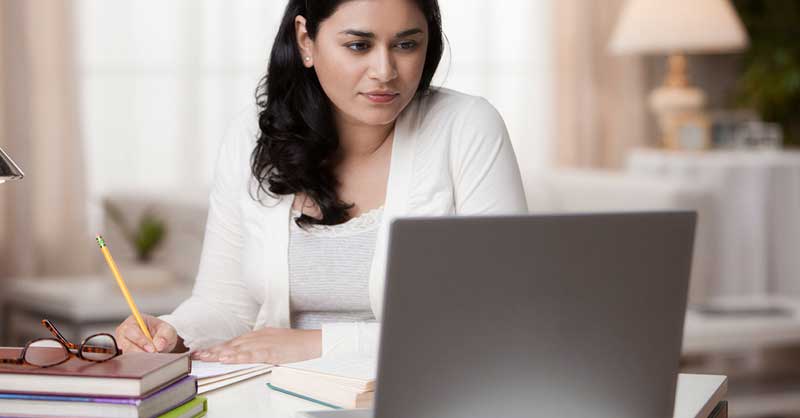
{"x":565,"y":315}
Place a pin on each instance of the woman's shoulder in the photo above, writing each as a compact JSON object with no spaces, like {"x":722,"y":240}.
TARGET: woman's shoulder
{"x":447,"y":102}
{"x":242,"y":130}
{"x":235,"y":149}
{"x":448,"y":117}
{"x":452,"y":110}
{"x":238,"y":140}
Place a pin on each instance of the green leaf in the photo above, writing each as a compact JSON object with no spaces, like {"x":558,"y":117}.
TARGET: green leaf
{"x":150,"y":235}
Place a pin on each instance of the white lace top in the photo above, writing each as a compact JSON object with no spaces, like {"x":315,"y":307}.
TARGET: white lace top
{"x":329,"y":268}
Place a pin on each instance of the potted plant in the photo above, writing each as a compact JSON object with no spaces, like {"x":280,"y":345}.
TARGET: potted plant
{"x":144,"y":238}
{"x":770,"y":80}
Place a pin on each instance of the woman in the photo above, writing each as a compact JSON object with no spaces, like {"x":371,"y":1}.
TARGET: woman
{"x":349,"y":135}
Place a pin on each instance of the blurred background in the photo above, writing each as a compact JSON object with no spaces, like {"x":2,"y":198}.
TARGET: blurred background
{"x":115,"y":109}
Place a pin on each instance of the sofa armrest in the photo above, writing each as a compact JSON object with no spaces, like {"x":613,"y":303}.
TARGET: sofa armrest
{"x":573,"y":190}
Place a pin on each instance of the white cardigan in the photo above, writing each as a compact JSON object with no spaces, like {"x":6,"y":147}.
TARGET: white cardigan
{"x":451,"y":155}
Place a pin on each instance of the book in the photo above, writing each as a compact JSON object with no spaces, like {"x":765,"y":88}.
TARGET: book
{"x":337,"y":382}
{"x":159,"y":402}
{"x":131,"y":375}
{"x":195,"y":408}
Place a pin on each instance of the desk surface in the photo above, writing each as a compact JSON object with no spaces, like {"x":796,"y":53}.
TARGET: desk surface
{"x":696,"y":397}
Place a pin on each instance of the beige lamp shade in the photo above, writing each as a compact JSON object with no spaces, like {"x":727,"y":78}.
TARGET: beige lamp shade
{"x":678,"y":26}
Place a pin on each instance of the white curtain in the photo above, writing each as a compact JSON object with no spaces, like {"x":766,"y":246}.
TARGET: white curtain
{"x":43,"y":228}
{"x":160,"y":81}
{"x":502,"y":50}
{"x":162,"y":78}
{"x":599,"y":97}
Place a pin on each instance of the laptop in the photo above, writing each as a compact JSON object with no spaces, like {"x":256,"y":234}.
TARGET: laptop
{"x":532,"y":316}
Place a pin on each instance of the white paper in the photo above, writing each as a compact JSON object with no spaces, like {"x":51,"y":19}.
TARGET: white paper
{"x":204,"y":369}
{"x":354,"y":367}
{"x":213,"y":385}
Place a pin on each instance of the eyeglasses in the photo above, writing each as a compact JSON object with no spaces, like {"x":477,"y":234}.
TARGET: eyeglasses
{"x":48,"y":352}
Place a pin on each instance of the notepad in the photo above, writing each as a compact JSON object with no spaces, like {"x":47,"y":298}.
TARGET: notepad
{"x":212,"y":376}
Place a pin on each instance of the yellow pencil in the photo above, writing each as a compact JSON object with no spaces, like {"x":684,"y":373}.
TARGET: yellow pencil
{"x":113,"y":266}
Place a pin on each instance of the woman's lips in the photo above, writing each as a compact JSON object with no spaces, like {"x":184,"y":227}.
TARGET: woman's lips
{"x":380,"y":98}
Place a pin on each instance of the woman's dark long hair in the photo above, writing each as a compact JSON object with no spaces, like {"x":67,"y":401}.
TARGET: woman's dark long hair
{"x":298,"y":139}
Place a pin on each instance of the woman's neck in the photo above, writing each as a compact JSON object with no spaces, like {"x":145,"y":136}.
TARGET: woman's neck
{"x":358,"y":141}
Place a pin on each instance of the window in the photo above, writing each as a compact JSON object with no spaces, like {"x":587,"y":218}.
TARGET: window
{"x":161,"y":79}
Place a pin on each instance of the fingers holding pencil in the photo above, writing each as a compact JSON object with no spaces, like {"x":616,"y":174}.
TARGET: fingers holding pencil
{"x":131,"y":338}
{"x":165,"y":337}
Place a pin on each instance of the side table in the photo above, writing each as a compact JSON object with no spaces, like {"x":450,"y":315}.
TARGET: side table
{"x":753,"y":222}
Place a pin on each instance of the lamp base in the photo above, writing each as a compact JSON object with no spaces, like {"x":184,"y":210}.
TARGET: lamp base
{"x":674,"y":106}
{"x":679,"y":108}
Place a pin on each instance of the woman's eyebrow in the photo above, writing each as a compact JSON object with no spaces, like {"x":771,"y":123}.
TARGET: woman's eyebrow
{"x":365,"y":34}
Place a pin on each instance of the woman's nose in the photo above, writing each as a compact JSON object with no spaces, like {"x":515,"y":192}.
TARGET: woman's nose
{"x":383,"y":67}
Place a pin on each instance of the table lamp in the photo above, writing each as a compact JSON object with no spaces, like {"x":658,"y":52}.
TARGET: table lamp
{"x":9,"y":170}
{"x":675,"y":28}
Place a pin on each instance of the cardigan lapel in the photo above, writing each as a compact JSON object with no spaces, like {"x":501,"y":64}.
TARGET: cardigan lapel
{"x":275,"y":310}
{"x":398,"y":188}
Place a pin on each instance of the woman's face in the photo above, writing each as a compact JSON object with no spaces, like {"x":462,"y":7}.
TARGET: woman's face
{"x":368,"y":46}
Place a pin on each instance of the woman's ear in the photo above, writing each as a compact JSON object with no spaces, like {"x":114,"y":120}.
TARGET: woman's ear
{"x":304,"y":41}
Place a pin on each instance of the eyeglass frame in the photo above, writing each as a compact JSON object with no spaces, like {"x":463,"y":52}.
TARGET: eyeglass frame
{"x":69,"y":347}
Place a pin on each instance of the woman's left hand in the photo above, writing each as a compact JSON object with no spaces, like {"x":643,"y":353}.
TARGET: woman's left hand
{"x":268,"y":345}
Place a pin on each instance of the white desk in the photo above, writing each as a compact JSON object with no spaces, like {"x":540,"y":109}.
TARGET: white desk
{"x":696,"y":397}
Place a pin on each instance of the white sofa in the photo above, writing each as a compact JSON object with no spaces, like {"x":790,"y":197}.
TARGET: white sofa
{"x":572,"y":190}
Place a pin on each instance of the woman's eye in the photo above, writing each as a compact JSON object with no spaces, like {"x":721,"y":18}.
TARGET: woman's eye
{"x":363,"y":46}
{"x":407,"y":45}
{"x":358,"y":46}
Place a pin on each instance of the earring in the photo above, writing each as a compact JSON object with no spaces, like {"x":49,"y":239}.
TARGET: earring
{"x":308,"y":59}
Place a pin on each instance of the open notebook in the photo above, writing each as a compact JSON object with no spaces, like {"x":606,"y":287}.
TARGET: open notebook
{"x":212,"y":376}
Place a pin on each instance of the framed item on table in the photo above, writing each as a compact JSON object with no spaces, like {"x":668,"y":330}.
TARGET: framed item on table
{"x":690,"y":132}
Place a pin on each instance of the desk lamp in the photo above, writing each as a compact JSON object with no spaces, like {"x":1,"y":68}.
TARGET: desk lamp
{"x":675,"y":28}
{"x":9,"y":170}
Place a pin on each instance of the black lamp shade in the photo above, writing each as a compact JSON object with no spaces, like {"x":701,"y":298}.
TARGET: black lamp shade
{"x":9,"y":170}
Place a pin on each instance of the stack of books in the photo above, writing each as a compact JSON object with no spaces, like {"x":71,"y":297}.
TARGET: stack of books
{"x":336,"y":382}
{"x":134,"y":385}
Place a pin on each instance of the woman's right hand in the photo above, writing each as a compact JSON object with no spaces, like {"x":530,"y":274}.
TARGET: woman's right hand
{"x":130,"y":337}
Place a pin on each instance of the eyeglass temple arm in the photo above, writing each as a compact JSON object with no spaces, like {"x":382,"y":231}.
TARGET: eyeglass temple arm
{"x":52,"y":328}
{"x":87,"y":348}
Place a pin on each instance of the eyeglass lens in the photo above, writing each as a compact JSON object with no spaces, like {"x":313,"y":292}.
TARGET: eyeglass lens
{"x":99,"y":347}
{"x":44,"y":353}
